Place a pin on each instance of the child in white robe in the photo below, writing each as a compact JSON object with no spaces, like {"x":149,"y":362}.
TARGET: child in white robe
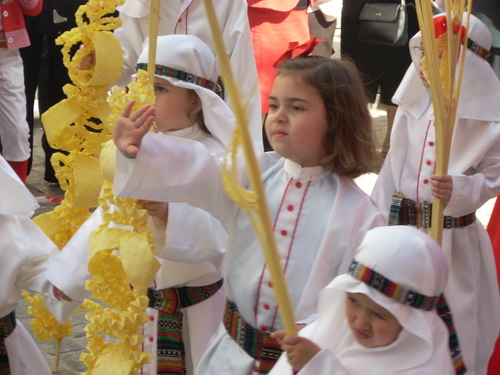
{"x":188,"y":17}
{"x":320,"y":127}
{"x":381,"y":317}
{"x":187,"y":108}
{"x":24,"y":256}
{"x":406,"y":184}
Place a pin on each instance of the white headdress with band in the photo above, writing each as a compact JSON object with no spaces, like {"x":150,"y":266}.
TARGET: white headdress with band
{"x":480,"y":88}
{"x":186,"y":61}
{"x":404,"y":271}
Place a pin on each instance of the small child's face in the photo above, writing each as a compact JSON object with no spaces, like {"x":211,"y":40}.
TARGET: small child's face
{"x":174,"y":106}
{"x":371,"y":325}
{"x":297,"y":121}
{"x":423,"y":72}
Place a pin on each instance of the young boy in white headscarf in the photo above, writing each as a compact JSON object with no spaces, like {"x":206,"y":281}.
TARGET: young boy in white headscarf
{"x":407,"y":184}
{"x":189,"y":243}
{"x":379,"y":318}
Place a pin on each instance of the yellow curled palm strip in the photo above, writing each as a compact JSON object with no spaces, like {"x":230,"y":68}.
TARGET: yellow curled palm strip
{"x":119,"y":281}
{"x":252,"y":202}
{"x":75,"y":125}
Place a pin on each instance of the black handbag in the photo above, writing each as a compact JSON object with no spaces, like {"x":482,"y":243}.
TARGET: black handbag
{"x":383,"y":24}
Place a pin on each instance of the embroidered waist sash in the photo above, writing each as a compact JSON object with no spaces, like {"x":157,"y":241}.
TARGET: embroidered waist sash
{"x":171,"y":355}
{"x":405,"y":211}
{"x":7,"y":326}
{"x":256,"y":343}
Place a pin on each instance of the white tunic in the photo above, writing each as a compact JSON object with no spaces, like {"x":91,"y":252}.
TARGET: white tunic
{"x":319,"y":219}
{"x":25,"y":252}
{"x":192,"y":246}
{"x":472,"y":290}
{"x":188,"y":17}
{"x":24,"y":256}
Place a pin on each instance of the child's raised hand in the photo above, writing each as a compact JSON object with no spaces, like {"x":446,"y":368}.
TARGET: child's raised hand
{"x":299,"y":350}
{"x":156,"y":209}
{"x":131,"y":128}
{"x":442,"y":187}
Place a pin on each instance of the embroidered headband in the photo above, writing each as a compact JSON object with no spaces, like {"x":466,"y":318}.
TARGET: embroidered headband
{"x":477,"y":49}
{"x":391,"y":289}
{"x":413,"y":299}
{"x":166,"y":71}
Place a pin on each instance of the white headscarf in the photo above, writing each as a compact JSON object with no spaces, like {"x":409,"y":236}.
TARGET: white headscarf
{"x":15,"y":198}
{"x":189,"y":54}
{"x":412,"y":260}
{"x":480,"y":88}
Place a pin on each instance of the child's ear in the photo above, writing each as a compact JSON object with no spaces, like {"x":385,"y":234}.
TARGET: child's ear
{"x":195,"y":106}
{"x":195,"y":100}
{"x":196,"y":103}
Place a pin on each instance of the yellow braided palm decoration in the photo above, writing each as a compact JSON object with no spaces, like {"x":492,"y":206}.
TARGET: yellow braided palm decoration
{"x":67,"y":127}
{"x":119,"y":281}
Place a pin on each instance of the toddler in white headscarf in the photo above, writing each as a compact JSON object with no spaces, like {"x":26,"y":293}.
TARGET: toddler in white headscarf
{"x":380,"y":317}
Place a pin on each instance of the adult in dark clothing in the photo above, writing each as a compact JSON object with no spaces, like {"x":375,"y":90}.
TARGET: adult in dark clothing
{"x":43,"y":65}
{"x":382,"y":67}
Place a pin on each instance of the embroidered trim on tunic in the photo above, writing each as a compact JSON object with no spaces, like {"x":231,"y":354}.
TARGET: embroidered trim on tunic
{"x":256,"y":343}
{"x":405,"y":211}
{"x":171,"y":355}
{"x":413,"y":299}
{"x":7,"y":326}
{"x":167,"y":71}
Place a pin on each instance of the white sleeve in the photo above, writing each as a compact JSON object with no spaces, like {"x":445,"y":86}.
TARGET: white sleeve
{"x":131,"y":37}
{"x":323,"y":363}
{"x":192,"y":235}
{"x":238,"y":41}
{"x":170,"y":169}
{"x":384,"y":188}
{"x":69,"y":270}
{"x":37,"y":252}
{"x":471,"y":192}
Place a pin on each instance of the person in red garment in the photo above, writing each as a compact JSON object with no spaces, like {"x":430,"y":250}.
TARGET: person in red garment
{"x":273,"y":24}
